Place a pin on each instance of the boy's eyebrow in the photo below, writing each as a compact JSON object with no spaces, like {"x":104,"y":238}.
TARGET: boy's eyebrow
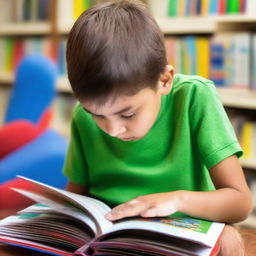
{"x":116,"y":113}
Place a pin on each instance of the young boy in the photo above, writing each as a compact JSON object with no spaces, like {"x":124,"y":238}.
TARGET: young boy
{"x":145,"y":141}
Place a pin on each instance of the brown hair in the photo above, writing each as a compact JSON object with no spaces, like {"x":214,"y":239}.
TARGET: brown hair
{"x":114,"y":48}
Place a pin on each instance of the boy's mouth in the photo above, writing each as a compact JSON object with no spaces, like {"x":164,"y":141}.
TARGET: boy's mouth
{"x":128,"y":139}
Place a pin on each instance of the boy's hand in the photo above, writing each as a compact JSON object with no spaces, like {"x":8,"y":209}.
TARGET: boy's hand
{"x":153,"y":205}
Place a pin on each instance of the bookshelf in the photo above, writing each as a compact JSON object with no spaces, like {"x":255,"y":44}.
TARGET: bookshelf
{"x":25,"y":28}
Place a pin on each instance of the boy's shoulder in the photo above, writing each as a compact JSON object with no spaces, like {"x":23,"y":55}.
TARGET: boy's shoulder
{"x":192,"y":85}
{"x":191,"y":81}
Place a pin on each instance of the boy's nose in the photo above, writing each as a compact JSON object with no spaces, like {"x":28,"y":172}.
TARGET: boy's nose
{"x":115,"y":129}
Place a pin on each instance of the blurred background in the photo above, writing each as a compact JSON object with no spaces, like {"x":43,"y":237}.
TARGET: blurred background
{"x":212,"y":38}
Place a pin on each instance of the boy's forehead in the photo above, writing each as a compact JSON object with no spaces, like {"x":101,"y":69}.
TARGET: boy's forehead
{"x":117,"y":104}
{"x":110,"y":106}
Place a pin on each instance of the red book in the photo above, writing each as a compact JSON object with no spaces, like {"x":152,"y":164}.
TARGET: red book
{"x":18,"y":52}
{"x":222,"y":6}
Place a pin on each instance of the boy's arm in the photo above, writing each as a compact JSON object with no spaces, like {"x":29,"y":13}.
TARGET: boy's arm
{"x":77,"y":188}
{"x":230,"y":202}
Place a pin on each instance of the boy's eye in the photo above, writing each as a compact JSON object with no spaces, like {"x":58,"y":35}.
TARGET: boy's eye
{"x":97,"y":116}
{"x":128,"y":116}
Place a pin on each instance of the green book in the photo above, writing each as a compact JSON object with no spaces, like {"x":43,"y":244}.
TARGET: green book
{"x":8,"y":63}
{"x":172,"y":8}
{"x":233,"y":6}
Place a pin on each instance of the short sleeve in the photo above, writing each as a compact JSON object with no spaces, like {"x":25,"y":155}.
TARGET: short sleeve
{"x":75,"y":166}
{"x":211,"y":129}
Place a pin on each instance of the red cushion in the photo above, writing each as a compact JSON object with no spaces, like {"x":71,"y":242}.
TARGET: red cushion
{"x":15,"y":134}
{"x":45,"y":120}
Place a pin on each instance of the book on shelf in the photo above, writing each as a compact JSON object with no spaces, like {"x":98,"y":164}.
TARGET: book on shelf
{"x":228,"y":52}
{"x":64,"y":223}
{"x":190,"y":8}
{"x":25,"y":11}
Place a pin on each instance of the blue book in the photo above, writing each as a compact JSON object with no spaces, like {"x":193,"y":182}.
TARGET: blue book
{"x":43,"y":10}
{"x":217,"y":64}
{"x":213,"y":7}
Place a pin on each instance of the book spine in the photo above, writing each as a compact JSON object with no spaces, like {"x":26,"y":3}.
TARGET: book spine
{"x":253,"y":70}
{"x":233,"y":6}
{"x":246,"y":139}
{"x":222,"y":7}
{"x":43,"y":11}
{"x":172,"y":8}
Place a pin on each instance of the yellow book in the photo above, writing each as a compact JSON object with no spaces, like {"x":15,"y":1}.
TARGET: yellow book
{"x":202,"y":56}
{"x":204,"y":7}
{"x":80,"y":6}
{"x":8,"y":61}
{"x":246,"y":139}
{"x":181,"y":7}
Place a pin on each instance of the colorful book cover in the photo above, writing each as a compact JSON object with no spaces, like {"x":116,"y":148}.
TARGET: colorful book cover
{"x":213,"y":7}
{"x":222,"y":7}
{"x":80,"y":6}
{"x":18,"y":52}
{"x":193,"y":7}
{"x":242,"y":6}
{"x":8,"y":62}
{"x":181,"y":8}
{"x":185,"y":65}
{"x":253,"y":69}
{"x":27,"y":10}
{"x":246,"y":139}
{"x":233,"y":6}
{"x":61,"y":57}
{"x":217,"y":63}
{"x":178,"y":56}
{"x":204,"y":7}
{"x":172,"y":8}
{"x":190,"y":42}
{"x":242,"y":42}
{"x":170,"y":46}
{"x":203,"y":56}
{"x":198,"y":7}
{"x":43,"y":10}
{"x":187,"y":7}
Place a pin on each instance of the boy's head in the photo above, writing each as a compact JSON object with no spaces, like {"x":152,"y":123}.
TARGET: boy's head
{"x":115,"y":50}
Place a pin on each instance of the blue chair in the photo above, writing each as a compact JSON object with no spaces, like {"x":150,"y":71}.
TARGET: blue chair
{"x":34,"y":89}
{"x":42,"y":157}
{"x":42,"y":160}
{"x":28,"y":109}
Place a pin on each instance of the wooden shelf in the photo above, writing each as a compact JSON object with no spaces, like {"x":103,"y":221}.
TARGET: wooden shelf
{"x":64,"y":28}
{"x":63,"y":85}
{"x":25,"y":28}
{"x":6,"y":78}
{"x":238,"y":98}
{"x":193,"y":25}
{"x":201,"y":24}
{"x":62,"y":82}
{"x":248,"y":163}
{"x":235,"y":18}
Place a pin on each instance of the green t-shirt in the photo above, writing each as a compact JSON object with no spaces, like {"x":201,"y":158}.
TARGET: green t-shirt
{"x":192,"y":133}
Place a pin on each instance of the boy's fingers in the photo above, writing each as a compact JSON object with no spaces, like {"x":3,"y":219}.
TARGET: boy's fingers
{"x":129,"y":209}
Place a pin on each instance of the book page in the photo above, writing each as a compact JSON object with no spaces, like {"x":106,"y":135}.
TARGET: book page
{"x":200,"y":231}
{"x":64,"y":200}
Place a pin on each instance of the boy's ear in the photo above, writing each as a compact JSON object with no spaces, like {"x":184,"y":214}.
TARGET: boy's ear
{"x":165,"y":83}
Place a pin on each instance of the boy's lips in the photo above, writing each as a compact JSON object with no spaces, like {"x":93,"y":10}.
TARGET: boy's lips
{"x":128,"y":139}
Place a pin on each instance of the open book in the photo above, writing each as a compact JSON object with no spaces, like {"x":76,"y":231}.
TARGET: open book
{"x":64,"y":223}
